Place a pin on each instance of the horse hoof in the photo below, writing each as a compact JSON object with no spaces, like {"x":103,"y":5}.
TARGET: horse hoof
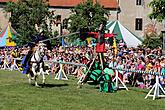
{"x":79,"y":86}
{"x":37,"y":85}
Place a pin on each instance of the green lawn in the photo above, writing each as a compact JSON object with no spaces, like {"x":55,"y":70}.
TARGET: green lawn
{"x":17,"y":94}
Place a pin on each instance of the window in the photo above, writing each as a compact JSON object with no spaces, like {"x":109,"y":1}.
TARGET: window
{"x":138,"y":24}
{"x":138,"y":2}
{"x":59,"y":18}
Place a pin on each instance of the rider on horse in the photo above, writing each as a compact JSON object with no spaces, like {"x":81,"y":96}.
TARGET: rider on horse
{"x":27,"y":58}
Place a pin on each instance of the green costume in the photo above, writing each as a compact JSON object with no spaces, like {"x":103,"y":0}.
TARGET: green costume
{"x":106,"y":84}
{"x":105,"y":80}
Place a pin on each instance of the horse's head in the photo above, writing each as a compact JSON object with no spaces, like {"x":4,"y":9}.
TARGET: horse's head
{"x":41,"y":48}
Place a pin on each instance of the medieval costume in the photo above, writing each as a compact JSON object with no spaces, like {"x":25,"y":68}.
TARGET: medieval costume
{"x":26,"y":59}
{"x":97,"y":69}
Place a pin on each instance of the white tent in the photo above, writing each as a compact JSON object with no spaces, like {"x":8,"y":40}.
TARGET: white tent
{"x":123,"y":33}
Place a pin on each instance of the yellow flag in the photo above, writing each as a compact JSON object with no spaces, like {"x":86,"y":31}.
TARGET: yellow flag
{"x":115,"y":46}
{"x":9,"y":41}
{"x":88,"y":40}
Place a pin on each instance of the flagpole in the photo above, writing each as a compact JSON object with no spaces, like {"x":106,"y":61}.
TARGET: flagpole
{"x":60,"y":34}
{"x":163,"y":32}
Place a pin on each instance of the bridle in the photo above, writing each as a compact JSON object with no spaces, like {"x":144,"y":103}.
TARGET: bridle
{"x":40,"y":53}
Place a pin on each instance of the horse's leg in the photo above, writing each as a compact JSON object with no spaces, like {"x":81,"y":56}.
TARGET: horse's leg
{"x":43,"y":79}
{"x":35,"y":74}
{"x":28,"y":76}
{"x":42,"y":72}
{"x":35,"y":79}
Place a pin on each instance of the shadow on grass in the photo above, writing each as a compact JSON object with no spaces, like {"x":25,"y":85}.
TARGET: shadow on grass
{"x":51,"y":85}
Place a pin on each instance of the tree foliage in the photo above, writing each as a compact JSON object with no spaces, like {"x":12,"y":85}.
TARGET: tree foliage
{"x":87,"y":14}
{"x":158,"y":13}
{"x":26,"y":15}
{"x":158,"y":10}
{"x":154,"y":41}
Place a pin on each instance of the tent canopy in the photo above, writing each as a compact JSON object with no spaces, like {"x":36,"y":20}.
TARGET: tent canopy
{"x":123,"y":33}
{"x":7,"y":36}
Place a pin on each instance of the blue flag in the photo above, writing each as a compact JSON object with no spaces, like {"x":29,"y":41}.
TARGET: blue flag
{"x":63,"y":43}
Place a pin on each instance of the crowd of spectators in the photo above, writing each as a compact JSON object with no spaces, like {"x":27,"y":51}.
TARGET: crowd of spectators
{"x":144,"y":59}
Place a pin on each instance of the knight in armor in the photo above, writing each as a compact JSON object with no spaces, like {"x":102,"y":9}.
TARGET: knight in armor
{"x":27,"y":58}
{"x":41,"y":37}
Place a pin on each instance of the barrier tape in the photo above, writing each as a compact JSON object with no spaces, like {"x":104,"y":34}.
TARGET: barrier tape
{"x":138,"y":71}
{"x":114,"y":68}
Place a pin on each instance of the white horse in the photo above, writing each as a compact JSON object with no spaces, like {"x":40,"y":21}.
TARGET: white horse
{"x":38,"y":64}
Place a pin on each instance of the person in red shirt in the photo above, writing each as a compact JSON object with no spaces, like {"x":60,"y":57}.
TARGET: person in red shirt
{"x":100,"y":46}
{"x":100,"y":41}
{"x":99,"y":36}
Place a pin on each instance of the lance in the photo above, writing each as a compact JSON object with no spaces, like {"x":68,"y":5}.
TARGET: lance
{"x":69,"y":63}
{"x":60,"y":36}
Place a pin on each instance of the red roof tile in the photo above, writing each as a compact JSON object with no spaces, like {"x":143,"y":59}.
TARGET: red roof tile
{"x":8,"y":0}
{"x":71,"y":3}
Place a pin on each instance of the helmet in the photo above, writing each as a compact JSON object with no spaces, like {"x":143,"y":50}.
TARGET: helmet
{"x":31,"y":45}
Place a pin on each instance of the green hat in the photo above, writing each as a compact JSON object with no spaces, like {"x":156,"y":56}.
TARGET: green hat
{"x":108,"y":71}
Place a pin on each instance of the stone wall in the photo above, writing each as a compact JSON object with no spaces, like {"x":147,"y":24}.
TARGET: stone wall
{"x":130,"y":11}
{"x":3,"y":19}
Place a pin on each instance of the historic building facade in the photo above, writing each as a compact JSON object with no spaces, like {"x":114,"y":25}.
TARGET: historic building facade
{"x":133,"y":14}
{"x":62,"y":9}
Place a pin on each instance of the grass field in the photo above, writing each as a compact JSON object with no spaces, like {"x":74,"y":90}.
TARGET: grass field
{"x":17,"y":94}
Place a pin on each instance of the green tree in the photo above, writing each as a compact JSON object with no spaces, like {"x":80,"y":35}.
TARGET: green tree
{"x":26,"y":15}
{"x":153,"y":41}
{"x":87,"y":14}
{"x":158,"y":13}
{"x":158,"y":10}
